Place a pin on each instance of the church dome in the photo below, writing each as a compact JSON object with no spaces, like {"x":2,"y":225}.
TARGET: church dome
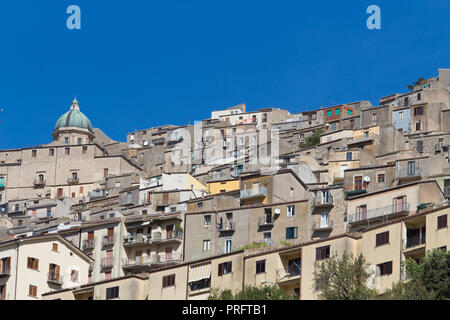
{"x":74,"y":118}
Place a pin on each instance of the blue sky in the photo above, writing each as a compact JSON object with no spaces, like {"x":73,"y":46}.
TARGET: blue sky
{"x":137,"y":64}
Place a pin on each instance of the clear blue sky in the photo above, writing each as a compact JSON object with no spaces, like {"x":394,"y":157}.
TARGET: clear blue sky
{"x":137,"y":64}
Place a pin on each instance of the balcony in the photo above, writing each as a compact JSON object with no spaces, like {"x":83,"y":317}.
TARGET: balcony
{"x":137,"y":240}
{"x":107,"y":263}
{"x":362,"y":138}
{"x":286,"y":276}
{"x":228,"y":226}
{"x":134,"y":262}
{"x":414,"y":244}
{"x":108,"y":241}
{"x":55,"y":278}
{"x":96,"y":194}
{"x":259,"y":192}
{"x":168,"y":259}
{"x":316,"y":226}
{"x":158,"y":141}
{"x":39,"y":183}
{"x":409,"y":173}
{"x":382,"y":213}
{"x":88,"y":244}
{"x":353,"y":190}
{"x":5,"y":271}
{"x":321,"y":202}
{"x":176,"y":236}
{"x":265,"y":222}
{"x":73,"y":180}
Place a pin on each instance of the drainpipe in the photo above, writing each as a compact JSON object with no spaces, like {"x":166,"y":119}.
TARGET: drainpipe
{"x":401,"y":245}
{"x":120,"y":246}
{"x":17,"y":269}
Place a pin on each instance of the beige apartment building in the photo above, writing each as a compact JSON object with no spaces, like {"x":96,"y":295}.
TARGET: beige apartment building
{"x":34,"y":265}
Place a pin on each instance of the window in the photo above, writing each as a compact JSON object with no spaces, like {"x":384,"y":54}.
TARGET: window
{"x":55,"y":247}
{"x":382,"y":238}
{"x":337,"y":111}
{"x":374,"y":118}
{"x":411,"y":168}
{"x":400,"y":115}
{"x":3,"y":292}
{"x":105,"y":173}
{"x":358,"y":183}
{"x":33,"y":263}
{"x":380,"y":178}
{"x":349,"y":112}
{"x":66,"y":140}
{"x":80,"y":141}
{"x":32,"y":291}
{"x":84,"y":149}
{"x":291,"y":233}
{"x":59,"y":193}
{"x":322,"y":253}
{"x":329,"y":113}
{"x":34,"y":153}
{"x":66,"y":150}
{"x":406,"y":101}
{"x":290,"y":211}
{"x":333,"y":126}
{"x":224,"y":268}
{"x":168,"y":281}
{"x":442,"y":221}
{"x":418,"y":111}
{"x":349,"y":156}
{"x":418,"y":126}
{"x":419,"y":96}
{"x":74,"y":275}
{"x":112,"y":293}
{"x":206,"y":245}
{"x":261,"y":266}
{"x":108,"y":275}
{"x":385,"y":268}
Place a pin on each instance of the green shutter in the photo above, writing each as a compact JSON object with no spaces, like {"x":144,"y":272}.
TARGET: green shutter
{"x":329,"y":114}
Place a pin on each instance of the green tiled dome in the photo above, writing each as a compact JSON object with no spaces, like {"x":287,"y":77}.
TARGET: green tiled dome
{"x":74,"y":118}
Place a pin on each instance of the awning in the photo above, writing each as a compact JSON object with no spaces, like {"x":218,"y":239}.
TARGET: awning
{"x":199,"y":272}
{"x":203,"y":296}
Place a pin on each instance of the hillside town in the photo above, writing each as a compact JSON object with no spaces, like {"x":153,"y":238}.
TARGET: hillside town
{"x":244,"y":198}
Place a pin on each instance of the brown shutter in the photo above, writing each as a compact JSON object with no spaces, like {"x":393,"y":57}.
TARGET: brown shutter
{"x":91,"y":235}
{"x":220,"y":269}
{"x":110,"y":232}
{"x":229,"y":268}
{"x":57,"y":272}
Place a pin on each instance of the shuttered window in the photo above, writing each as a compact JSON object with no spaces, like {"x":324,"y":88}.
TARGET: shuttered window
{"x":225,"y":268}
{"x":382,"y":238}
{"x":442,"y":221}
{"x":168,"y":281}
{"x":322,"y":253}
{"x":112,"y":293}
{"x":385,"y":268}
{"x":32,"y":291}
{"x":261,"y":266}
{"x":33,"y":263}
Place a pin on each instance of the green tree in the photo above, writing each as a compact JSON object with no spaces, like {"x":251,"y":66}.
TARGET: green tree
{"x":343,"y":278}
{"x":267,"y":292}
{"x":312,"y":140}
{"x":417,"y":82}
{"x":429,"y":279}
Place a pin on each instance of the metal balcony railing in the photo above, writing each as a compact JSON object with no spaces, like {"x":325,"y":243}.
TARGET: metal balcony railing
{"x":227,"y":226}
{"x":260,"y":191}
{"x":136,"y":239}
{"x":108,"y":240}
{"x":39,"y":182}
{"x":169,"y":258}
{"x":139,"y":261}
{"x":55,"y":278}
{"x":320,"y":225}
{"x":174,"y":235}
{"x":362,"y":138}
{"x":322,"y":201}
{"x":5,"y":270}
{"x":107,"y":262}
{"x":265,"y":221}
{"x":413,"y":241}
{"x":88,"y":244}
{"x":379,"y":212}
{"x":286,"y":273}
{"x":73,"y":180}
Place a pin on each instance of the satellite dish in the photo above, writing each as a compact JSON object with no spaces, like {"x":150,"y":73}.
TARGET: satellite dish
{"x":277,"y":211}
{"x":366,"y":179}
{"x":327,"y":125}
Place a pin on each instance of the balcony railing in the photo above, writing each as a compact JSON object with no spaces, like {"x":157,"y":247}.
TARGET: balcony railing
{"x":5,"y":271}
{"x":175,"y":235}
{"x":88,"y":244}
{"x":169,"y":259}
{"x":55,"y":278}
{"x":317,"y":226}
{"x":97,"y":194}
{"x":265,"y":222}
{"x":139,"y":261}
{"x":383,"y":212}
{"x":288,"y":273}
{"x":254,"y":192}
{"x":322,"y":201}
{"x":39,"y":182}
{"x":362,"y":138}
{"x":107,"y":262}
{"x":409,"y":172}
{"x":137,"y":239}
{"x":227,"y":226}
{"x":73,"y":180}
{"x":413,"y":241}
{"x":108,"y":240}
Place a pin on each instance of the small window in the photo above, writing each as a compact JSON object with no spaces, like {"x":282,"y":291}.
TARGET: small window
{"x":66,"y":140}
{"x":34,"y":153}
{"x":85,"y":149}
{"x":66,"y":150}
{"x":337,"y":111}
{"x":74,"y":275}
{"x":261,"y":266}
{"x":400,"y":115}
{"x":290,"y":211}
{"x":51,"y":152}
{"x":291,"y":233}
{"x":350,"y":112}
{"x":385,"y":268}
{"x":349,"y":156}
{"x":322,"y":253}
{"x":206,"y":245}
{"x":382,"y":238}
{"x":442,"y":221}
{"x":168,"y":281}
{"x":32,"y":291}
{"x":55,"y":247}
{"x":329,"y":113}
{"x":207,"y":221}
{"x":33,"y":263}
{"x":224,"y":268}
{"x":112,"y":293}
{"x":380,"y":178}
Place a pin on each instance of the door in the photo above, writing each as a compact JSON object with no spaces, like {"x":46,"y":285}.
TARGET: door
{"x":138,"y":256}
{"x":169,"y":231}
{"x":325,"y":197}
{"x":399,"y":204}
{"x":324,"y":220}
{"x":109,"y":257}
{"x":168,"y":252}
{"x":228,"y":245}
{"x":294,"y":267}
{"x":358,"y":183}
